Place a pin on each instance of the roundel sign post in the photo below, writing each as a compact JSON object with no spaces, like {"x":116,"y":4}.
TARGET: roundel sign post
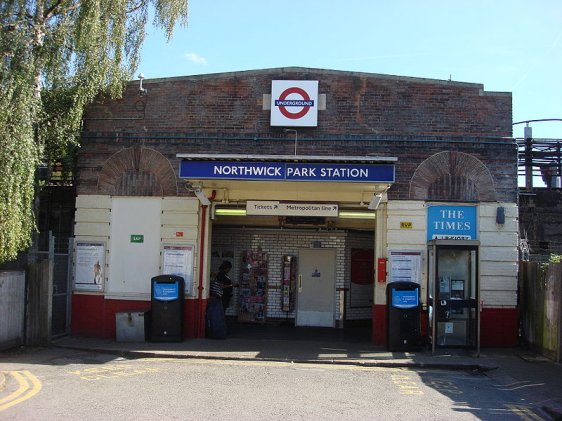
{"x":294,"y":103}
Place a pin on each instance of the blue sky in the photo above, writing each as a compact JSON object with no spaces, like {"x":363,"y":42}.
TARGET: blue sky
{"x":507,"y":45}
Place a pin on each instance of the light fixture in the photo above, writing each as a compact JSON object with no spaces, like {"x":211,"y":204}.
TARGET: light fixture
{"x":142,"y":91}
{"x":375,"y":201}
{"x":500,"y":215}
{"x":230,"y":212}
{"x":356,"y":215}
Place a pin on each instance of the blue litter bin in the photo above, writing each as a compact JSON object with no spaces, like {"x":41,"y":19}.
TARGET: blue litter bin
{"x":167,"y":301}
{"x":403,"y":316}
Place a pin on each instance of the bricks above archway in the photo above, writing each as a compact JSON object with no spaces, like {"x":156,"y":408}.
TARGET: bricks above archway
{"x":137,"y":171}
{"x":452,"y":175}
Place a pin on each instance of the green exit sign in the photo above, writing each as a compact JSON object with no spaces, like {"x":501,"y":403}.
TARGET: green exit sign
{"x":137,"y":238}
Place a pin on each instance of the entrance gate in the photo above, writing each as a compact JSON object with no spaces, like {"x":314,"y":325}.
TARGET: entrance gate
{"x":59,"y":255}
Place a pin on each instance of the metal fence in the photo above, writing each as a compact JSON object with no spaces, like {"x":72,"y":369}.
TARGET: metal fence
{"x":57,"y":291}
{"x":540,"y":295}
{"x":12,"y":308}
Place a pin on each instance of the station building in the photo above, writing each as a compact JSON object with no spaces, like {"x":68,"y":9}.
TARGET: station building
{"x":321,"y":187}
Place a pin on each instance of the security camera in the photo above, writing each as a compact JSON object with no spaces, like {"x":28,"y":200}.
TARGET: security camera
{"x":375,"y":201}
{"x":202,"y":198}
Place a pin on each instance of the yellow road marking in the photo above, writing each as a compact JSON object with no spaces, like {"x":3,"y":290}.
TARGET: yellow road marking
{"x":524,"y":412}
{"x":29,"y":386}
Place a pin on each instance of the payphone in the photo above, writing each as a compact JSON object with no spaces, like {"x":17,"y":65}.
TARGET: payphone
{"x":453,"y":294}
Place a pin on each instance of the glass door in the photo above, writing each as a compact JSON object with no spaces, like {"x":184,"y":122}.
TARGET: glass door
{"x":453,"y":294}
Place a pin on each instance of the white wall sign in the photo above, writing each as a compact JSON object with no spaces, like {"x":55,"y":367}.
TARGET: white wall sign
{"x":294,"y":103}
{"x":276,"y":208}
{"x":89,"y":272}
{"x":178,"y":260}
{"x":405,"y":266}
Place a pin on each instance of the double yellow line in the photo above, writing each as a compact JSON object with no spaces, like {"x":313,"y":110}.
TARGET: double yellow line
{"x":29,"y":386}
{"x":525,"y":413}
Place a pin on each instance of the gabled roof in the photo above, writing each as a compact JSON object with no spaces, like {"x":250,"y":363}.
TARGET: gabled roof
{"x":276,"y":72}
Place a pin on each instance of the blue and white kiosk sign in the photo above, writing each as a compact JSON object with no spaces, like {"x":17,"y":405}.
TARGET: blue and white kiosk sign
{"x":287,"y":171}
{"x":294,"y":103}
{"x":451,"y":223}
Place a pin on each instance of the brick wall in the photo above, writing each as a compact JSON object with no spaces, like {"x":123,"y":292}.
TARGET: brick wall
{"x":366,"y":114}
{"x":357,"y":103}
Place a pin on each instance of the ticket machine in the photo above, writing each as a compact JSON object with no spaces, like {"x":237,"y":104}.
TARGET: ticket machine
{"x":453,"y":294}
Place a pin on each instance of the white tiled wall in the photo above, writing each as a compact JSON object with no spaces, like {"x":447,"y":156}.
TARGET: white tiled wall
{"x":278,"y":243}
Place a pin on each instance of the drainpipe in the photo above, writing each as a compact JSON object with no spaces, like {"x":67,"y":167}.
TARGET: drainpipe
{"x":200,"y":317}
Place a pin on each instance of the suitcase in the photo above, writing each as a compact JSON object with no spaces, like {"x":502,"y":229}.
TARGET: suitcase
{"x":215,"y":322}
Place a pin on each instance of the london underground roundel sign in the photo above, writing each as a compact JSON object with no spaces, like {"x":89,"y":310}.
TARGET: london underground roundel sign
{"x":294,"y":103}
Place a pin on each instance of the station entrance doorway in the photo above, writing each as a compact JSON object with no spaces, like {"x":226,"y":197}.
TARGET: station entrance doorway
{"x":297,"y":278}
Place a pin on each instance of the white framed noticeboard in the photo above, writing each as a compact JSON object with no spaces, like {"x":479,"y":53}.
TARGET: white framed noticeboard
{"x":178,"y":260}
{"x":405,"y":265}
{"x":89,"y":266}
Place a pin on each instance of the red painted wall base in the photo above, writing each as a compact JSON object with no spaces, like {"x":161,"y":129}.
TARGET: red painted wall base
{"x":499,"y":327}
{"x":379,"y":325}
{"x":94,"y":316}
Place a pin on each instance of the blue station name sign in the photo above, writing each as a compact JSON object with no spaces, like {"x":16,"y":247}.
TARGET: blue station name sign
{"x":287,"y":171}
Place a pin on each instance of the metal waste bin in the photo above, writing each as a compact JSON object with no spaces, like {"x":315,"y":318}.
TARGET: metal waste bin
{"x":403,"y":316}
{"x":166,"y":324}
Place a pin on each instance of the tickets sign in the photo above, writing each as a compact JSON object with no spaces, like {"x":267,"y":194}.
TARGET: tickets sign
{"x":276,"y":208}
{"x":294,"y":103}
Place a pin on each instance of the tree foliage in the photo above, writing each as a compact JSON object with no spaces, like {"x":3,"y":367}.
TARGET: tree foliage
{"x":56,"y":56}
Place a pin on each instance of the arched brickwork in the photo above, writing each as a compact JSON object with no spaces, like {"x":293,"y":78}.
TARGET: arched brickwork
{"x":137,"y":171}
{"x":452,"y":176}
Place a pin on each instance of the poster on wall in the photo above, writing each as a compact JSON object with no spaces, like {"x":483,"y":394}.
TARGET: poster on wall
{"x":178,"y":260}
{"x":89,"y":271}
{"x":405,"y":266}
{"x":362,"y":278}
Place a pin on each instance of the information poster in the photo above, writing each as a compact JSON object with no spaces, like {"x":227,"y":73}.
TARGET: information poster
{"x":178,"y":260}
{"x":90,"y":266}
{"x":405,"y":266}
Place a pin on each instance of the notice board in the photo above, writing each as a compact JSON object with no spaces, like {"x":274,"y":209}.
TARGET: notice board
{"x":405,"y":265}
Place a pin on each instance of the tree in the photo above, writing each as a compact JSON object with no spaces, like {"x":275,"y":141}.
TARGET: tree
{"x":57,"y":56}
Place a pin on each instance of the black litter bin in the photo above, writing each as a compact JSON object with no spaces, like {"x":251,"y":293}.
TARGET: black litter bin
{"x":166,"y":321}
{"x":403,"y":316}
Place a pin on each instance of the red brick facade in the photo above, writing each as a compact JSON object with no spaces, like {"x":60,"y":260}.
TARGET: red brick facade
{"x":366,"y":114}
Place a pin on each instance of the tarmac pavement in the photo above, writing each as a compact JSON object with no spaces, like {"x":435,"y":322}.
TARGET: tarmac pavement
{"x":513,"y":368}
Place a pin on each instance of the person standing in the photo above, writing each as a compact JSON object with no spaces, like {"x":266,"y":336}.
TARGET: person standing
{"x":225,"y":283}
{"x":221,"y":294}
